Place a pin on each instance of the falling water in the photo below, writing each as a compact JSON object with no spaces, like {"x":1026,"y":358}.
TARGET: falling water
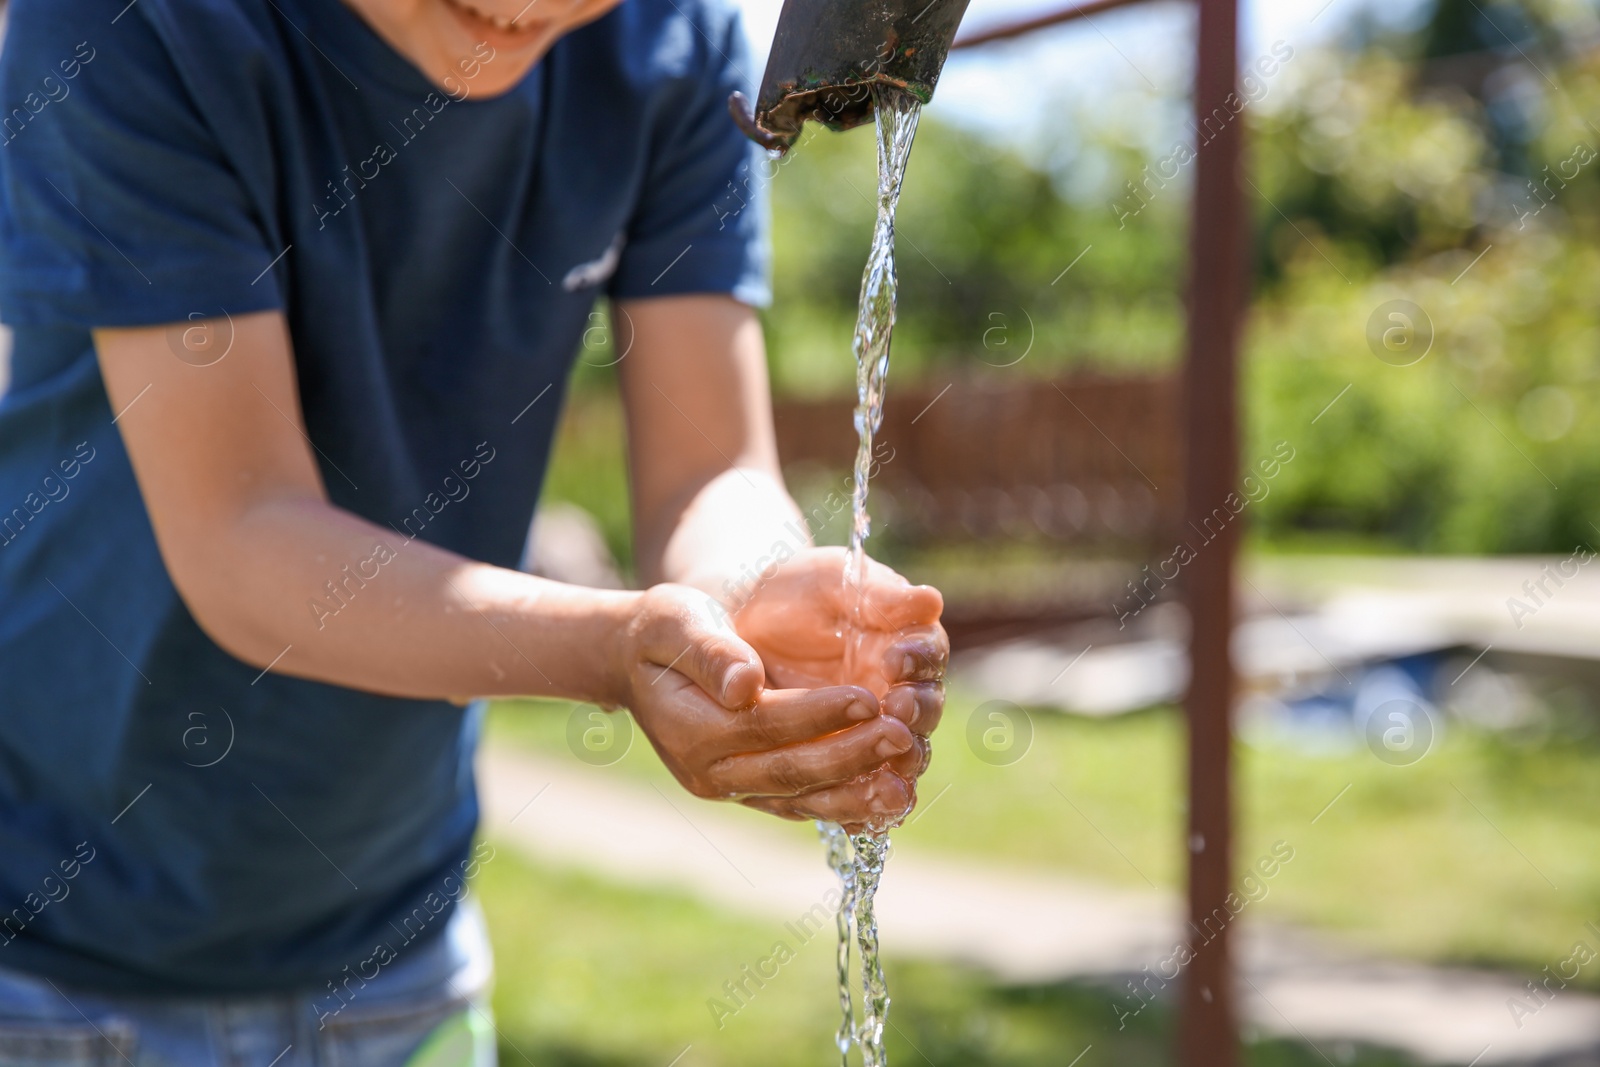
{"x":837,"y":844}
{"x":869,"y":852}
{"x":861,"y":865}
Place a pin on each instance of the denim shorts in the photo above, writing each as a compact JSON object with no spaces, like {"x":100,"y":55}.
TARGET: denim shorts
{"x":429,"y":1008}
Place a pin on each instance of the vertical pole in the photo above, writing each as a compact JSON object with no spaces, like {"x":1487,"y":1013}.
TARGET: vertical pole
{"x":1208,"y":1025}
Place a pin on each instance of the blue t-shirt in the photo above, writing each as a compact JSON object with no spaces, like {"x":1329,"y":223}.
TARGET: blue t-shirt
{"x":172,"y":819}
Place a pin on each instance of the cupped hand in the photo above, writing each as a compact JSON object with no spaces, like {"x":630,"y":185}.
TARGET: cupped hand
{"x":804,"y":620}
{"x":699,"y":693}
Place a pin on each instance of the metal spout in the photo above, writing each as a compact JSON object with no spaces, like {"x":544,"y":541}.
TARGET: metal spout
{"x":828,"y":54}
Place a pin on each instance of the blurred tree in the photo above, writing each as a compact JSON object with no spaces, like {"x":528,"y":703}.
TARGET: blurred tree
{"x":984,"y":243}
{"x":1384,"y":167}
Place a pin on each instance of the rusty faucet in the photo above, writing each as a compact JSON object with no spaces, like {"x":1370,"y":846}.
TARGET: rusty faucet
{"x":828,"y":54}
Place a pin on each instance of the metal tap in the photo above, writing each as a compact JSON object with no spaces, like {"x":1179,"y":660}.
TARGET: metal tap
{"x":828,"y":54}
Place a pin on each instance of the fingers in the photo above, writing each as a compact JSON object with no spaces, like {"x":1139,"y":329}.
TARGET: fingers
{"x":782,"y":807}
{"x":789,"y":716}
{"x":919,"y":654}
{"x":891,"y":602}
{"x":896,"y":604}
{"x":813,"y":765}
{"x":913,"y":764}
{"x":878,"y":799}
{"x":691,"y":639}
{"x":920,"y":706}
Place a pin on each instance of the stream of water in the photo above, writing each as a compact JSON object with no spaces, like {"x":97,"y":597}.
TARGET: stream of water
{"x":858,"y":859}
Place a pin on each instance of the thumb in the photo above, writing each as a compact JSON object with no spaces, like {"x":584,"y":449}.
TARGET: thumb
{"x":715,"y":658}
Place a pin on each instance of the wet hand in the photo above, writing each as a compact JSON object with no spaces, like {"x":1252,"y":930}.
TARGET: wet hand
{"x":802,"y":621}
{"x":699,"y":693}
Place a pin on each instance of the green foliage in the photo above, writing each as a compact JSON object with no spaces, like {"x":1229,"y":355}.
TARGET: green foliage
{"x":1487,"y":442}
{"x":984,"y":240}
{"x":1354,"y":161}
{"x":1370,"y":184}
{"x":1373,"y":178}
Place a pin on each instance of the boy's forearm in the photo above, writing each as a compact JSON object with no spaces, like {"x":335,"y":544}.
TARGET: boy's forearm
{"x":710,"y":509}
{"x":283,"y":579}
{"x":323,"y":594}
{"x":736,"y":528}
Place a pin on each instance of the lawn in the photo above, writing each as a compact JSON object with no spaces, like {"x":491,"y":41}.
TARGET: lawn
{"x":593,"y":975}
{"x":1485,"y":852}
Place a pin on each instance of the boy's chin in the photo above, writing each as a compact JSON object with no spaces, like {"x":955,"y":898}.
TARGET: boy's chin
{"x":522,"y":39}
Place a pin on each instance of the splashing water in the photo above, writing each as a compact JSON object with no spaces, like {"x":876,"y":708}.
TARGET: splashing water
{"x":837,"y":845}
{"x":870,"y":850}
{"x":858,"y":860}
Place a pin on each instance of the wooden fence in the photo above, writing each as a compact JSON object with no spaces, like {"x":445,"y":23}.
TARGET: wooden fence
{"x":1081,"y":460}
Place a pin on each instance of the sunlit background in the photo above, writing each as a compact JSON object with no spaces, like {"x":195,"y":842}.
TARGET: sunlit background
{"x":1439,"y":154}
{"x":1419,"y":533}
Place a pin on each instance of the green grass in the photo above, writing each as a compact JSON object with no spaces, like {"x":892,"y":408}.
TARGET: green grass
{"x":1456,"y":859}
{"x":590,"y":974}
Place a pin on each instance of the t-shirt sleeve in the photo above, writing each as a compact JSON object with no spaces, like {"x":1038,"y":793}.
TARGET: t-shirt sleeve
{"x":117,"y":205}
{"x":701,"y":224}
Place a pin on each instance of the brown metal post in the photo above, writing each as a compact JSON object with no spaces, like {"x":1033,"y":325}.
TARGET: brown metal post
{"x":1208,"y":1024}
{"x":1083,"y":9}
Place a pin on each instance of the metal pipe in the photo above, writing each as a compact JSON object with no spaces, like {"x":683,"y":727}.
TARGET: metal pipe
{"x":1208,"y":1024}
{"x":1039,"y":22}
{"x":828,"y":56}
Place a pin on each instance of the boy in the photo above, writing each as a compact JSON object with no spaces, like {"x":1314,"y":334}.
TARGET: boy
{"x":294,"y":286}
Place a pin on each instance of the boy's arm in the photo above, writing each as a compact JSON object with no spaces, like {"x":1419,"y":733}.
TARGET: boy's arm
{"x":708,"y":497}
{"x":710,"y":510}
{"x":249,"y":538}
